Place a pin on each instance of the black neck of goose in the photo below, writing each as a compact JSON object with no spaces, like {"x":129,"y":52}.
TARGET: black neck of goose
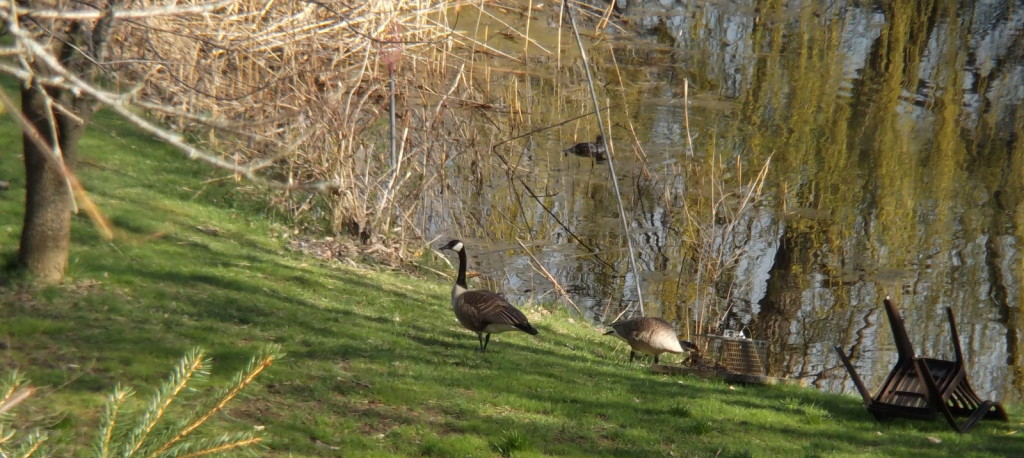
{"x":461,"y":280}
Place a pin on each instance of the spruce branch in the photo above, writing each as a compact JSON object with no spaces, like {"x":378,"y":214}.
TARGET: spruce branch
{"x":244,"y":378}
{"x":108,"y":422}
{"x":194,"y":363}
{"x":124,"y":431}
{"x":5,"y":435}
{"x":32,"y":444}
{"x":10,"y":383}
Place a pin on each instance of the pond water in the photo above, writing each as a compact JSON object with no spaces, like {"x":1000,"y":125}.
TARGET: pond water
{"x":889,"y":138}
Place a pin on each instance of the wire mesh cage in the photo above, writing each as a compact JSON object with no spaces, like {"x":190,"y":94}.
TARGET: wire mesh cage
{"x":735,"y":353}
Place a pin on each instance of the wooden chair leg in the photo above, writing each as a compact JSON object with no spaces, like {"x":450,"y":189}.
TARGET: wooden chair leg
{"x":864,"y":393}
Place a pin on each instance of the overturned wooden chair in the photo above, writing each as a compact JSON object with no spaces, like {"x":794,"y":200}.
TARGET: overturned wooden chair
{"x":922,"y":388}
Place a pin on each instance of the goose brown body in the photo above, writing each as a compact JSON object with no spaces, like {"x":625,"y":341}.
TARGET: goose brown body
{"x":481,"y":311}
{"x":649,"y":335}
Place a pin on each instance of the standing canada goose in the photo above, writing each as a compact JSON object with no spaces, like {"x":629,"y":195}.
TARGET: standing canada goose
{"x":650,"y":335}
{"x":482,"y":311}
{"x":595,"y":150}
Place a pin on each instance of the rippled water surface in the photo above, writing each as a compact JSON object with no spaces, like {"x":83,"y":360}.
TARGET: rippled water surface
{"x":889,"y":137}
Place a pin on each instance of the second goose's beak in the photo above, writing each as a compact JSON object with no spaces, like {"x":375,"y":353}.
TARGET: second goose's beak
{"x":687,"y":345}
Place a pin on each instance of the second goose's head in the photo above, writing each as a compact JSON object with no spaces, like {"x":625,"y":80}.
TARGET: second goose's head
{"x":454,"y":245}
{"x":614,"y":332}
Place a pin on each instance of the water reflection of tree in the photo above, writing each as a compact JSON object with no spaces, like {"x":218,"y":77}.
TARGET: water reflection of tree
{"x":895,"y":170}
{"x":895,"y":132}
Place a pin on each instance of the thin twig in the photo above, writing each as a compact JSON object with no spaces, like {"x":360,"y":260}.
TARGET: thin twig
{"x":551,"y":278}
{"x":50,"y":153}
{"x":85,"y":15}
{"x":686,"y":117}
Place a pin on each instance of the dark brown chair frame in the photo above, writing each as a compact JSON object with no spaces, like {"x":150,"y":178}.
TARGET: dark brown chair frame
{"x":922,"y":388}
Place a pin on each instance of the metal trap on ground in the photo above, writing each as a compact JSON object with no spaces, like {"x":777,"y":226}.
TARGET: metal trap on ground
{"x":731,"y":357}
{"x":734,"y":352}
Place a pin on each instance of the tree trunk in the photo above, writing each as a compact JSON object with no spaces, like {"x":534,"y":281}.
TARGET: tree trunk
{"x":46,"y":232}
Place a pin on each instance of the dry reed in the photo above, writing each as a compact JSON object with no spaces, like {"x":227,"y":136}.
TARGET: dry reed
{"x":301,"y":87}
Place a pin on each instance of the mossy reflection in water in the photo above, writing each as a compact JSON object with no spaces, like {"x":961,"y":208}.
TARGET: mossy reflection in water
{"x":895,"y":170}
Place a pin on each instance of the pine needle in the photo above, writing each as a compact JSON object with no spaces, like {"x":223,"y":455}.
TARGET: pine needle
{"x":224,"y":447}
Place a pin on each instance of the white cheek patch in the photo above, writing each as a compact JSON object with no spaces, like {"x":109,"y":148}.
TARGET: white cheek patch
{"x":457,"y":247}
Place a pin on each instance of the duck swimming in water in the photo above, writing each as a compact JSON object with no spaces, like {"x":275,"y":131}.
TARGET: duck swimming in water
{"x":595,"y":150}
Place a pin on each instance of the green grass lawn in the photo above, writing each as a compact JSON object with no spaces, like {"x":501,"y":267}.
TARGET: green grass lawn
{"x":375,"y":364}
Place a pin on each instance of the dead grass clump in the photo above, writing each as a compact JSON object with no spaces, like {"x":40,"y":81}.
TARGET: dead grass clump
{"x":347,"y":250}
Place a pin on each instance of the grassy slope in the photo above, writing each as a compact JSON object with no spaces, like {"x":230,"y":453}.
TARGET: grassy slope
{"x":376,"y":363}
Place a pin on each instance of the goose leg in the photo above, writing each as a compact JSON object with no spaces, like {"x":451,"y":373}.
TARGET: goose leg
{"x":480,"y":337}
{"x":632,"y":354}
{"x":487,"y":340}
{"x":655,"y":359}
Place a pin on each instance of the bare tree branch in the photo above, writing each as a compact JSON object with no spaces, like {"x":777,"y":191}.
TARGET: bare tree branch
{"x":173,"y":9}
{"x":119,"y":103}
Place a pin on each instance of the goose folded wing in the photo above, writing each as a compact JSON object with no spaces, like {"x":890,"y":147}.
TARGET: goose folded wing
{"x":493,"y":309}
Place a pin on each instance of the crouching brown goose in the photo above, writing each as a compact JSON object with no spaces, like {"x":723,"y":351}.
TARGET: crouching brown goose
{"x":649,"y":335}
